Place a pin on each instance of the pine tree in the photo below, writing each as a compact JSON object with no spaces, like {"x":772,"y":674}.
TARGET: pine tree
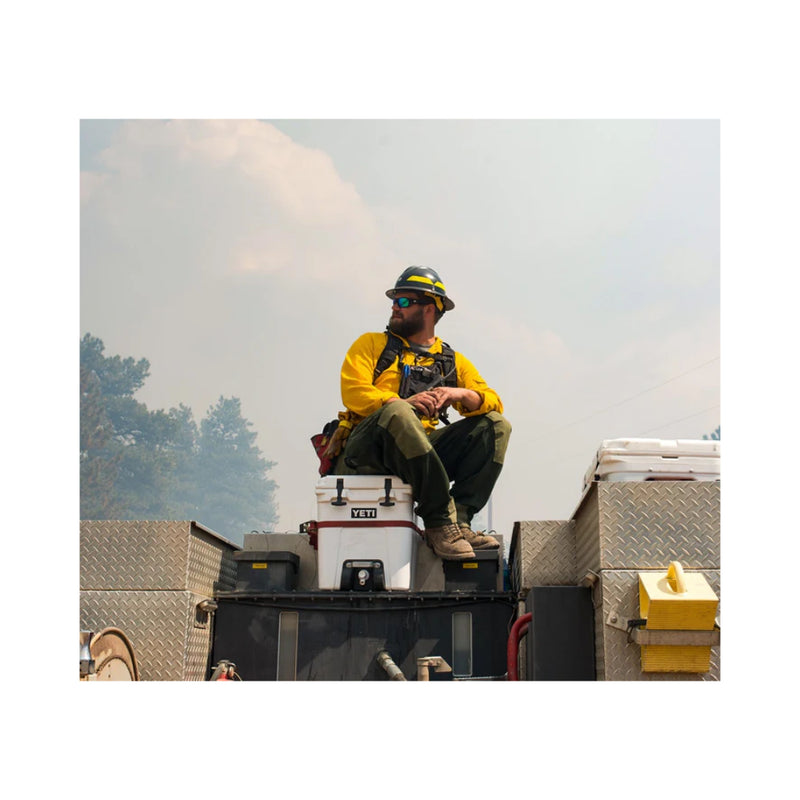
{"x":142,"y":464}
{"x":98,"y":466}
{"x":237,"y":495}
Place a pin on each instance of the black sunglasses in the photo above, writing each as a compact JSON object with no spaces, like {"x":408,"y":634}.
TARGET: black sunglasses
{"x":405,"y":302}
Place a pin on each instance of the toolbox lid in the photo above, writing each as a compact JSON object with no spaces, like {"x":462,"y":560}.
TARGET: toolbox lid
{"x":267,"y":555}
{"x":492,"y":555}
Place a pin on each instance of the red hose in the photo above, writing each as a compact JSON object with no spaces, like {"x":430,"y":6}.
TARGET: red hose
{"x":518,"y":630}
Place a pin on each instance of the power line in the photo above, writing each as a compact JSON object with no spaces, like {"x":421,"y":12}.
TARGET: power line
{"x":628,"y":399}
{"x":571,"y":456}
{"x":666,"y":424}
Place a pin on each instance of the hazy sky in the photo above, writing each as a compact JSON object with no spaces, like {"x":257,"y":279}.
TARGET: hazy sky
{"x":244,"y":257}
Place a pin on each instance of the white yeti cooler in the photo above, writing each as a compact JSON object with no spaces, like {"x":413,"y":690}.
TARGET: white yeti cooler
{"x":367,"y":533}
{"x":655,"y":459}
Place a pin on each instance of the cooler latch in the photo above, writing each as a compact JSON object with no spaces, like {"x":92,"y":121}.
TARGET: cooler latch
{"x":339,"y":489}
{"x":387,"y":488}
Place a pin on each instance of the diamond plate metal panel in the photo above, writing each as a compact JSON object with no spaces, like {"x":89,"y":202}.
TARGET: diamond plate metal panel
{"x":587,"y":533}
{"x":542,"y":554}
{"x":153,"y":555}
{"x":162,"y":626}
{"x":645,"y":525}
{"x":618,"y":660}
{"x":133,"y":555}
{"x":211,"y":566}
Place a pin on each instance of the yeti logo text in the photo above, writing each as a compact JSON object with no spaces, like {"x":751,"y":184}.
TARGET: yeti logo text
{"x":363,"y":513}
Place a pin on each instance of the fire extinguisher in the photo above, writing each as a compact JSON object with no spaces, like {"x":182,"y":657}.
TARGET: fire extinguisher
{"x":225,"y":671}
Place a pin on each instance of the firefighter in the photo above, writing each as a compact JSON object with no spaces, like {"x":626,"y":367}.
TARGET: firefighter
{"x":397,"y":387}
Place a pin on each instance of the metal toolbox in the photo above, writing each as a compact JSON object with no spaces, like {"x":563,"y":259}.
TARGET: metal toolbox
{"x":542,"y":554}
{"x":169,"y":631}
{"x":154,"y":581}
{"x":619,"y":530}
{"x":635,"y":525}
{"x":625,"y":528}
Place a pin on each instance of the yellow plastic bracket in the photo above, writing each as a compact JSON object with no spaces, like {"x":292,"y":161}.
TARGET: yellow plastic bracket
{"x":676,"y":603}
{"x":675,"y":577}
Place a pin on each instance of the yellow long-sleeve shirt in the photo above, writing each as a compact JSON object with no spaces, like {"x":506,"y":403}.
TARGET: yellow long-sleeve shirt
{"x":361,"y":397}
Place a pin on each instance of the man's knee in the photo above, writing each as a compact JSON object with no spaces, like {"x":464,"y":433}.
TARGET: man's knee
{"x":502,"y":433}
{"x":396,"y":410}
{"x":500,"y":423}
{"x":403,"y":425}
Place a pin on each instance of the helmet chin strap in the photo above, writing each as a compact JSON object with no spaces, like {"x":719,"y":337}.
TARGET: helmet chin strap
{"x":437,"y":300}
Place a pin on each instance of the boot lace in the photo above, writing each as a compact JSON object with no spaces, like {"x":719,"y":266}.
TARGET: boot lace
{"x":452,"y":533}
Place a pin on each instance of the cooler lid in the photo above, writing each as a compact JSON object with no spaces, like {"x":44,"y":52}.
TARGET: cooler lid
{"x":328,"y":483}
{"x":635,"y":448}
{"x":659,"y":447}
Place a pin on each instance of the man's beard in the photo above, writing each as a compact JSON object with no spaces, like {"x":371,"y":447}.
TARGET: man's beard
{"x":409,"y":326}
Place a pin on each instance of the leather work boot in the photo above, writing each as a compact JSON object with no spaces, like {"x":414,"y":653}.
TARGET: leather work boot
{"x":478,"y":540}
{"x":448,"y":543}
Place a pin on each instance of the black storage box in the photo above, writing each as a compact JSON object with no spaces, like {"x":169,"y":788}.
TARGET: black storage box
{"x":560,"y":638}
{"x":266,"y":571}
{"x":479,"y":574}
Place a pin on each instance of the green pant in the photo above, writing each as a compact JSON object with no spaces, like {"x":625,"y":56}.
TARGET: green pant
{"x":470,"y":453}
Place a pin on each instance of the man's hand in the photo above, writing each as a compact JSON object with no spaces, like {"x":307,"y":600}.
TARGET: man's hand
{"x":430,"y":403}
{"x":448,"y":395}
{"x":425,"y":402}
